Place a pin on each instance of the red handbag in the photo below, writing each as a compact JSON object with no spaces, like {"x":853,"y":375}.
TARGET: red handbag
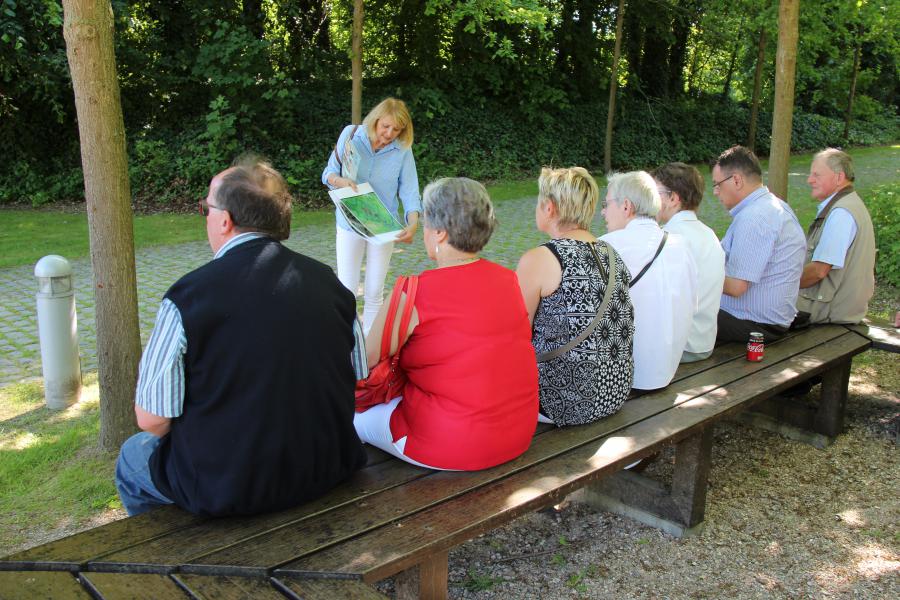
{"x":386,"y":379}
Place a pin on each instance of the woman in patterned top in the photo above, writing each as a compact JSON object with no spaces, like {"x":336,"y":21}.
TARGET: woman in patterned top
{"x":563,"y":286}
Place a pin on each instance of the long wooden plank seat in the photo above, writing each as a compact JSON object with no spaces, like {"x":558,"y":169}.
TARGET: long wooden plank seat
{"x":392,"y":518}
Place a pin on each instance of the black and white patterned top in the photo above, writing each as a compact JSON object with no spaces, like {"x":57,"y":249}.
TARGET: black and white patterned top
{"x":592,"y":380}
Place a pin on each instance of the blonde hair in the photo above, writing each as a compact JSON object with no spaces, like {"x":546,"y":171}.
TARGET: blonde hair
{"x":572,"y":191}
{"x":396,"y":109}
{"x":639,"y":188}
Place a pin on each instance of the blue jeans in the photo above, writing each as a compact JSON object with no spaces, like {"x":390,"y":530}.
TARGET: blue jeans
{"x":133,"y":479}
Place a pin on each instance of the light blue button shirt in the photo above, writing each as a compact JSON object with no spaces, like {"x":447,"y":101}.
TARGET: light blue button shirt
{"x":838,"y":233}
{"x":160,"y":386}
{"x":390,"y":171}
{"x":765,"y":246}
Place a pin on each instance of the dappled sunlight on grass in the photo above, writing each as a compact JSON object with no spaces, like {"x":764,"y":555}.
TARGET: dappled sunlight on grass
{"x":870,"y":561}
{"x":852,"y":518}
{"x":52,"y":474}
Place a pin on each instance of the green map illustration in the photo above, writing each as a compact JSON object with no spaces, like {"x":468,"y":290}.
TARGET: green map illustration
{"x":369,"y":211}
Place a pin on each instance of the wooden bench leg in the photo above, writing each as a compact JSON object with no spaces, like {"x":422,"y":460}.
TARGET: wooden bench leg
{"x":816,"y":425}
{"x":425,"y":581}
{"x":678,"y":510}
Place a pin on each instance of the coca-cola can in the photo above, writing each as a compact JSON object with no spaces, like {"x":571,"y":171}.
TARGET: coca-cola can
{"x":756,"y":347}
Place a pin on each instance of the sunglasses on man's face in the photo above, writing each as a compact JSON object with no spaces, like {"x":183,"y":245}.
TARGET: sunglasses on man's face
{"x":205,"y":206}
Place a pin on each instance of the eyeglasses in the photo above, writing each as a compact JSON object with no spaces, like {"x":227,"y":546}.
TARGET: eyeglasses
{"x":205,"y":206}
{"x":718,"y":183}
{"x":663,"y":191}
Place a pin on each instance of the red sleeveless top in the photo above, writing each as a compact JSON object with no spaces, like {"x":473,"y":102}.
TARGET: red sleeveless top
{"x":471,"y":401}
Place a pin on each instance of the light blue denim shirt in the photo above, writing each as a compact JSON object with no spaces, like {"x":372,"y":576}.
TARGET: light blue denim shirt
{"x":765,"y":246}
{"x":390,"y":171}
{"x":838,"y":233}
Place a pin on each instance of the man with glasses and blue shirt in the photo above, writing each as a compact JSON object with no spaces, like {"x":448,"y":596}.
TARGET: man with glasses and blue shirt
{"x":245,"y":391}
{"x":764,"y":248}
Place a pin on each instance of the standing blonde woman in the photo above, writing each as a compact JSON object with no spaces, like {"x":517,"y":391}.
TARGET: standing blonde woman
{"x":384,"y":145}
{"x":564,"y":283}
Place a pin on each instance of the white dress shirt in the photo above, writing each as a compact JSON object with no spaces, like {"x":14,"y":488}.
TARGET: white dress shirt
{"x":709,"y":258}
{"x":665,"y":299}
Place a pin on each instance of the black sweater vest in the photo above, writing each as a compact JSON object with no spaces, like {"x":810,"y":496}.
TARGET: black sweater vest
{"x":268,"y":408}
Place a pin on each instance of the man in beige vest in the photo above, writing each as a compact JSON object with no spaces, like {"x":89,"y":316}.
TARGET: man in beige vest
{"x":839,"y":276}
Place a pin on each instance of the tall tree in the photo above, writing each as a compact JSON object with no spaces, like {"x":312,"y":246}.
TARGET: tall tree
{"x":757,"y":88}
{"x":782,"y":118}
{"x":853,"y":76}
{"x":356,"y":64}
{"x":613,"y":84}
{"x":88,"y":31}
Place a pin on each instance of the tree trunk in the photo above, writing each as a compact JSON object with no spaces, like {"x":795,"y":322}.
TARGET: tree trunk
{"x":853,"y":84}
{"x":757,"y":89}
{"x":88,"y":30}
{"x":356,"y":105}
{"x":782,"y":118}
{"x":613,"y":84}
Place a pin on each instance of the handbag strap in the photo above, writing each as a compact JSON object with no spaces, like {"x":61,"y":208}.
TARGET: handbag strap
{"x":659,"y":248}
{"x":388,"y":329}
{"x":412,"y":286}
{"x":338,"y":156}
{"x":607,"y":296}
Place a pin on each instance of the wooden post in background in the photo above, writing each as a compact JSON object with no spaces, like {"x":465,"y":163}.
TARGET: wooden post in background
{"x":356,"y":62}
{"x":613,"y":85}
{"x":782,"y":117}
{"x":88,"y":31}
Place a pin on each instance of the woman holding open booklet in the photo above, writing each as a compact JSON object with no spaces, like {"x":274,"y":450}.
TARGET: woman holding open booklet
{"x":379,"y":153}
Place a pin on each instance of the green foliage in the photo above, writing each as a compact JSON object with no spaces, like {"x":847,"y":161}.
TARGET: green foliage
{"x":884,"y":207}
{"x":476,"y":582}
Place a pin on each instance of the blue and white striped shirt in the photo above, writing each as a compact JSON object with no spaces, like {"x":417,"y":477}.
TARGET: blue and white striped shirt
{"x":765,"y":246}
{"x":160,"y":386}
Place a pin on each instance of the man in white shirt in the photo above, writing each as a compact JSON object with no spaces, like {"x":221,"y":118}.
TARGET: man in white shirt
{"x":663,"y":277}
{"x":681,"y":191}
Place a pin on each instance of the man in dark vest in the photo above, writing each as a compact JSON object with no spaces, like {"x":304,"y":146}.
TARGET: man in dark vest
{"x":245,"y":390}
{"x":839,"y":276}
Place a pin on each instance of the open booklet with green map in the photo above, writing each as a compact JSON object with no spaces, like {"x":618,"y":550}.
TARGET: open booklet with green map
{"x":366,"y":214}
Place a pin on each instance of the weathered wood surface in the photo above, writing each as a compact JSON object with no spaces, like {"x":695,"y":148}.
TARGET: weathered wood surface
{"x":20,"y":585}
{"x":327,"y":589}
{"x":261,"y":554}
{"x":404,"y":542}
{"x":392,"y":516}
{"x":205,"y":587}
{"x":134,"y":586}
{"x":883,"y":335}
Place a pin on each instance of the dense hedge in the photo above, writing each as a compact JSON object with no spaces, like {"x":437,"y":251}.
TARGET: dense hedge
{"x":481,"y":138}
{"x":884,"y":206}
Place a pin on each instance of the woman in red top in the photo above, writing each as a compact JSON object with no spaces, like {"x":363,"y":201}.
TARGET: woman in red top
{"x":472,"y":398}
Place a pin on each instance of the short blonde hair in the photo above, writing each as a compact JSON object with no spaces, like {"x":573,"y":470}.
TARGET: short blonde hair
{"x":572,"y":191}
{"x":396,"y":109}
{"x":639,"y":188}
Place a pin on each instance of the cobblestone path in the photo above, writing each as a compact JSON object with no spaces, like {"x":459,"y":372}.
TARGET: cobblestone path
{"x":159,"y":267}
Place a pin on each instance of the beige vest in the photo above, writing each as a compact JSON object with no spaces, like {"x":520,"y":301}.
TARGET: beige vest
{"x":843,"y":295}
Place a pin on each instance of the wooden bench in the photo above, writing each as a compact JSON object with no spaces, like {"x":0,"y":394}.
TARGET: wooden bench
{"x":393,"y":518}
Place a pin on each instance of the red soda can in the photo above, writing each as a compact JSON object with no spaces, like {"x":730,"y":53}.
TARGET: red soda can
{"x":756,"y":347}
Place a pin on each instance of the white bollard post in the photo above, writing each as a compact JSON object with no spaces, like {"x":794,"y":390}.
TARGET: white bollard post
{"x":58,"y":330}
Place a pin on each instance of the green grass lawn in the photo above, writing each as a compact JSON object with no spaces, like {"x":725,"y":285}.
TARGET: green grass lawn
{"x":27,"y":235}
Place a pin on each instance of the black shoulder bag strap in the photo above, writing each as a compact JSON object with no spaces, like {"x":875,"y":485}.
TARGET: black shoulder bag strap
{"x":662,"y":243}
{"x":338,"y":156}
{"x":607,"y":296}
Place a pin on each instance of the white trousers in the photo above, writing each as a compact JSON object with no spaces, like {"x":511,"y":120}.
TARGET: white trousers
{"x":374,"y":427}
{"x":350,"y":248}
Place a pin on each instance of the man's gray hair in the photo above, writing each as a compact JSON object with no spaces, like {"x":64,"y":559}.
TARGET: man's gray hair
{"x":462,"y":208}
{"x":838,"y":161}
{"x":639,"y":188}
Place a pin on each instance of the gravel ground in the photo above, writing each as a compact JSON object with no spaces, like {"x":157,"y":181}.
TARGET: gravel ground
{"x":783,"y":520}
